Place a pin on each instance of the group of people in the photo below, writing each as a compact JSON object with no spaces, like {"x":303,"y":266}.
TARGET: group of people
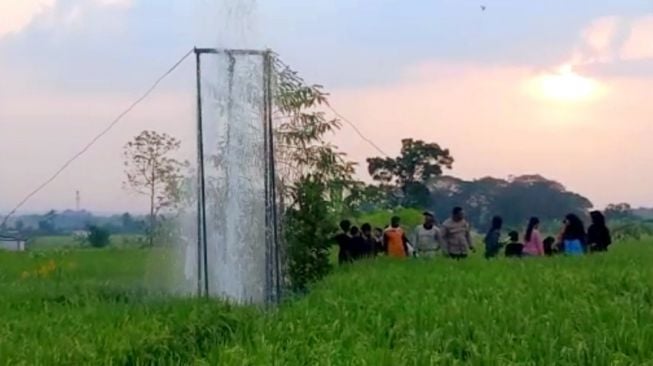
{"x":572,"y":238}
{"x":453,"y":238}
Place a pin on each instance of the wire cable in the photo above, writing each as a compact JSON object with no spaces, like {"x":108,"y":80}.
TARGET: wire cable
{"x":358,"y":132}
{"x":339,"y":115}
{"x":106,"y":130}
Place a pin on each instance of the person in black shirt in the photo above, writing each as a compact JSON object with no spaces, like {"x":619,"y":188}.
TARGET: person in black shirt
{"x":357,"y":243}
{"x":598,"y":234}
{"x":514,"y":249}
{"x":370,"y":243}
{"x":344,"y":243}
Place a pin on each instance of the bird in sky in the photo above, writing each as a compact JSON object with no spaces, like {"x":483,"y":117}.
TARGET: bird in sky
{"x":483,"y":7}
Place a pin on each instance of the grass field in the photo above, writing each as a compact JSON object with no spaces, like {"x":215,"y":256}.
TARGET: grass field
{"x":92,"y":307}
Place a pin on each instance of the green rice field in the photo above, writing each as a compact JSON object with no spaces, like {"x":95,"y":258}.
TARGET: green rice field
{"x":89,"y":306}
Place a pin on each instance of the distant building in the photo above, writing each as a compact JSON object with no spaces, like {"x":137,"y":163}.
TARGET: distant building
{"x":80,"y":235}
{"x":12,"y":243}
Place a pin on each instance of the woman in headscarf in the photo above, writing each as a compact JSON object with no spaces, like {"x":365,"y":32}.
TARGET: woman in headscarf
{"x":493,"y":237}
{"x":573,"y":238}
{"x":598,"y":234}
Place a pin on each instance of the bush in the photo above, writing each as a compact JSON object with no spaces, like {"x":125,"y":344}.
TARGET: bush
{"x":308,"y":233}
{"x":98,"y":237}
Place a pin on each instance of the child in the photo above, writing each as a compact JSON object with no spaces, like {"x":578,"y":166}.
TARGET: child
{"x":514,"y":249}
{"x":548,"y":244}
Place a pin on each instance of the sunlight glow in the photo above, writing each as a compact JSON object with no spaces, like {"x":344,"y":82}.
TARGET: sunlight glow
{"x":565,"y":85}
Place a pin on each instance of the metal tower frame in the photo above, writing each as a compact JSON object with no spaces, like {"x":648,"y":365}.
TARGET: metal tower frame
{"x":272,"y":260}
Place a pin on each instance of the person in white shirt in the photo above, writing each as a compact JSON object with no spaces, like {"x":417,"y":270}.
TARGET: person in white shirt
{"x":426,"y":237}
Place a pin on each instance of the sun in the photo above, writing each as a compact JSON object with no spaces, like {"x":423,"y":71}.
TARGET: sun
{"x":565,"y":85}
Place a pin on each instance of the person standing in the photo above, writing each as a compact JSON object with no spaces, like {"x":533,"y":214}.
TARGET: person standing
{"x":598,"y":234}
{"x":533,"y":245}
{"x":426,"y":237}
{"x":456,"y":235}
{"x":394,"y":239}
{"x":379,"y":247}
{"x":493,"y":237}
{"x":573,"y":238}
{"x":343,"y":240}
{"x":369,"y":248}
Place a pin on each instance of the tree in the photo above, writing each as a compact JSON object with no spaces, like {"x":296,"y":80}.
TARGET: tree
{"x":417,"y":163}
{"x":128,"y":224}
{"x":314,"y":176}
{"x":152,"y":171}
{"x":20,"y":226}
{"x":515,"y":199}
{"x":308,"y":231}
{"x":98,"y":237}
{"x":46,"y":224}
{"x":619,"y":211}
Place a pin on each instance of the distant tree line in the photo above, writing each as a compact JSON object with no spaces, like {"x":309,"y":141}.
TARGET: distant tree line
{"x":69,"y":221}
{"x":415,"y":179}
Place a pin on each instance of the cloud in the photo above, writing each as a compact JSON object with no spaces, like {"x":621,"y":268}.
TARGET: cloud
{"x":15,"y":15}
{"x":615,"y":39}
{"x":639,"y":44}
{"x":598,"y":39}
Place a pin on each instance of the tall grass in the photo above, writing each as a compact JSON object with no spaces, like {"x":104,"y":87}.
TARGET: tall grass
{"x":90,"y":307}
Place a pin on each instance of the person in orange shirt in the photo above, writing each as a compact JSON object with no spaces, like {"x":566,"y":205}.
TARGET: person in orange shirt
{"x":394,"y":240}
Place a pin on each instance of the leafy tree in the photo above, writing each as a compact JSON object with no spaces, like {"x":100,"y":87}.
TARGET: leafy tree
{"x":308,"y":231}
{"x":409,"y":172}
{"x":98,"y":237}
{"x":315,"y":178}
{"x":152,"y":171}
{"x":20,"y":226}
{"x":619,"y":211}
{"x":46,"y":224}
{"x":128,"y":224}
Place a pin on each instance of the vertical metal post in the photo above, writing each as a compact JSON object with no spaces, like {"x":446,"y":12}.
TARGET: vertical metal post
{"x":272,"y":270}
{"x":266,"y":176}
{"x":202,"y":270}
{"x":273,"y":169}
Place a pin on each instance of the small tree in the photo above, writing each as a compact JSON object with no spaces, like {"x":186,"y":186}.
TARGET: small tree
{"x":317,"y":178}
{"x":98,"y":237}
{"x":151,"y":170}
{"x":309,"y":227}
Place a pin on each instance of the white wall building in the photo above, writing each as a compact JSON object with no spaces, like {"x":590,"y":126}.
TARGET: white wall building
{"x":11,"y":243}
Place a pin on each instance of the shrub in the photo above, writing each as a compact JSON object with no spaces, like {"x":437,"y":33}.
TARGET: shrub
{"x":98,"y":237}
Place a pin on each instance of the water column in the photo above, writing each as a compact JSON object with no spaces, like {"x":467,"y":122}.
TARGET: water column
{"x":237,"y":165}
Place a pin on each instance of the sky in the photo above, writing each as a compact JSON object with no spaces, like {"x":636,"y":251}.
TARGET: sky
{"x":554,"y":87}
